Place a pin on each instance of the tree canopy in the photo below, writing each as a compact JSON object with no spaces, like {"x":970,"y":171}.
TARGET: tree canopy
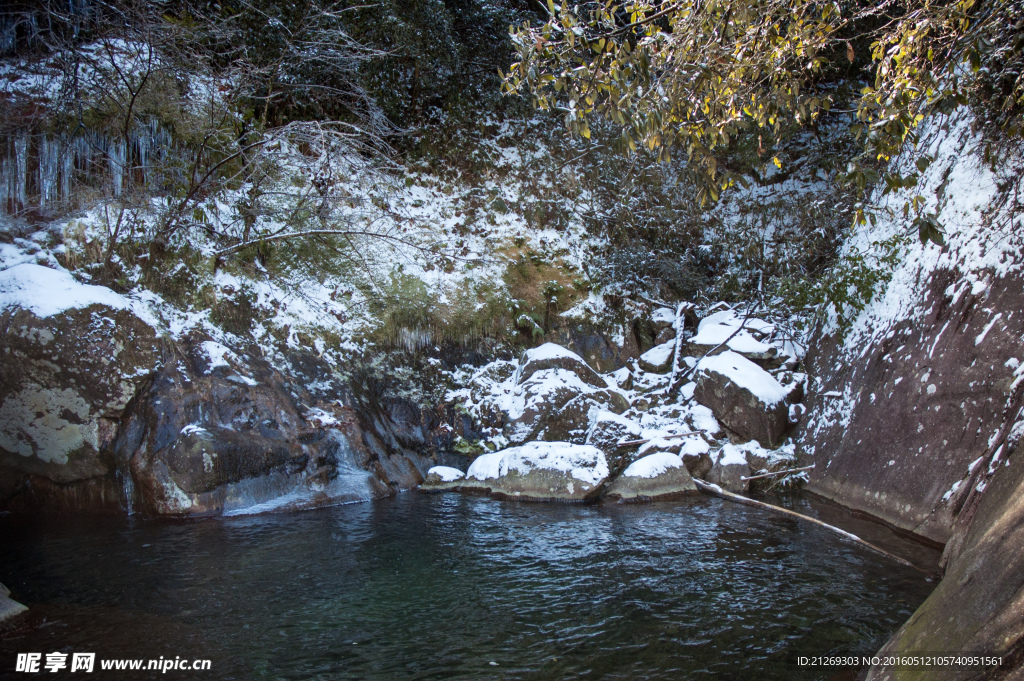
{"x":691,"y":75}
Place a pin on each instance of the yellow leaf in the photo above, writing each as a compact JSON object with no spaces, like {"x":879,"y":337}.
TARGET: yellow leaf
{"x":777,"y":162}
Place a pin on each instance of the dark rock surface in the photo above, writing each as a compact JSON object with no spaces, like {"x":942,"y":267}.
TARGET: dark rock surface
{"x":893,"y":432}
{"x":978,"y":607}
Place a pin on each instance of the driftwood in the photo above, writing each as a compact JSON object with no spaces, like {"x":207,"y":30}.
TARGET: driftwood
{"x":716,"y":490}
{"x":630,"y":443}
{"x":768,"y":475}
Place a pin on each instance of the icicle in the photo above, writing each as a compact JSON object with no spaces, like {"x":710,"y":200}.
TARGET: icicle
{"x":116,"y":155}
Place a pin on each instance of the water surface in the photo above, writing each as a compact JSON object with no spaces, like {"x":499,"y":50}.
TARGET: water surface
{"x":455,"y":587}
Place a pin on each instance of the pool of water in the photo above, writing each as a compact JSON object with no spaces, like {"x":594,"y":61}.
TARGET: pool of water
{"x":455,"y":587}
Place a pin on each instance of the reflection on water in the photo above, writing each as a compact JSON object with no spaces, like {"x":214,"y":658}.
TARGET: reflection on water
{"x":439,"y":587}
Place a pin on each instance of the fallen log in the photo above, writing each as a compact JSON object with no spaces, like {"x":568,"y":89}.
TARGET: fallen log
{"x":768,"y":475}
{"x":718,"y":491}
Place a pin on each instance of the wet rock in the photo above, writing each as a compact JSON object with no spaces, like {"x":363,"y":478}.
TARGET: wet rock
{"x":729,"y":469}
{"x":743,"y":396}
{"x":540,"y":471}
{"x":657,"y":476}
{"x":73,"y":357}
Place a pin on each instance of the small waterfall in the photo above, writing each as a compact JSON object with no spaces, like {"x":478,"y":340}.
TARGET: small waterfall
{"x":127,"y":489}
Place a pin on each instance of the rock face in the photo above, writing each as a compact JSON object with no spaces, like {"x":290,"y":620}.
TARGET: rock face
{"x":892,"y":433}
{"x":657,"y":476}
{"x":73,"y":357}
{"x":746,"y":398}
{"x":907,"y":398}
{"x":540,"y":471}
{"x":225,"y":433}
{"x":978,"y":607}
{"x":904,"y":403}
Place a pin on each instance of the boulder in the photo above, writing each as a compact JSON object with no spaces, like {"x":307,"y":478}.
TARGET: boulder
{"x":551,"y":356}
{"x":224,"y":434}
{"x":555,"y":405}
{"x":8,"y":606}
{"x":540,"y":471}
{"x":730,"y":466}
{"x":609,"y":429}
{"x":658,"y":360}
{"x":657,"y":476}
{"x":696,"y":455}
{"x":662,"y":318}
{"x":74,"y":355}
{"x":604,"y":346}
{"x":441,"y":478}
{"x":745,"y":397}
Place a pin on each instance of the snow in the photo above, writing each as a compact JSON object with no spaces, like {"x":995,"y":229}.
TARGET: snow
{"x":193,"y":429}
{"x":322,"y":418}
{"x":632,"y":427}
{"x":745,"y":374}
{"x":660,"y":354}
{"x":446,"y":473}
{"x":583,"y":462}
{"x":549,"y":351}
{"x":694,"y":446}
{"x":47,"y":292}
{"x":663,"y":314}
{"x":715,"y":329}
{"x":217,"y":353}
{"x":653,"y":465}
{"x":731,"y":455}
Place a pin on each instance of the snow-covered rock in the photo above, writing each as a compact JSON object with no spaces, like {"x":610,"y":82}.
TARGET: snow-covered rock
{"x":658,"y":359}
{"x":739,"y":335}
{"x":729,"y":469}
{"x":74,"y":356}
{"x":540,"y":471}
{"x":8,"y":606}
{"x":551,"y":356}
{"x":657,"y":476}
{"x":745,"y":397}
{"x":610,"y":429}
{"x":439,"y":478}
